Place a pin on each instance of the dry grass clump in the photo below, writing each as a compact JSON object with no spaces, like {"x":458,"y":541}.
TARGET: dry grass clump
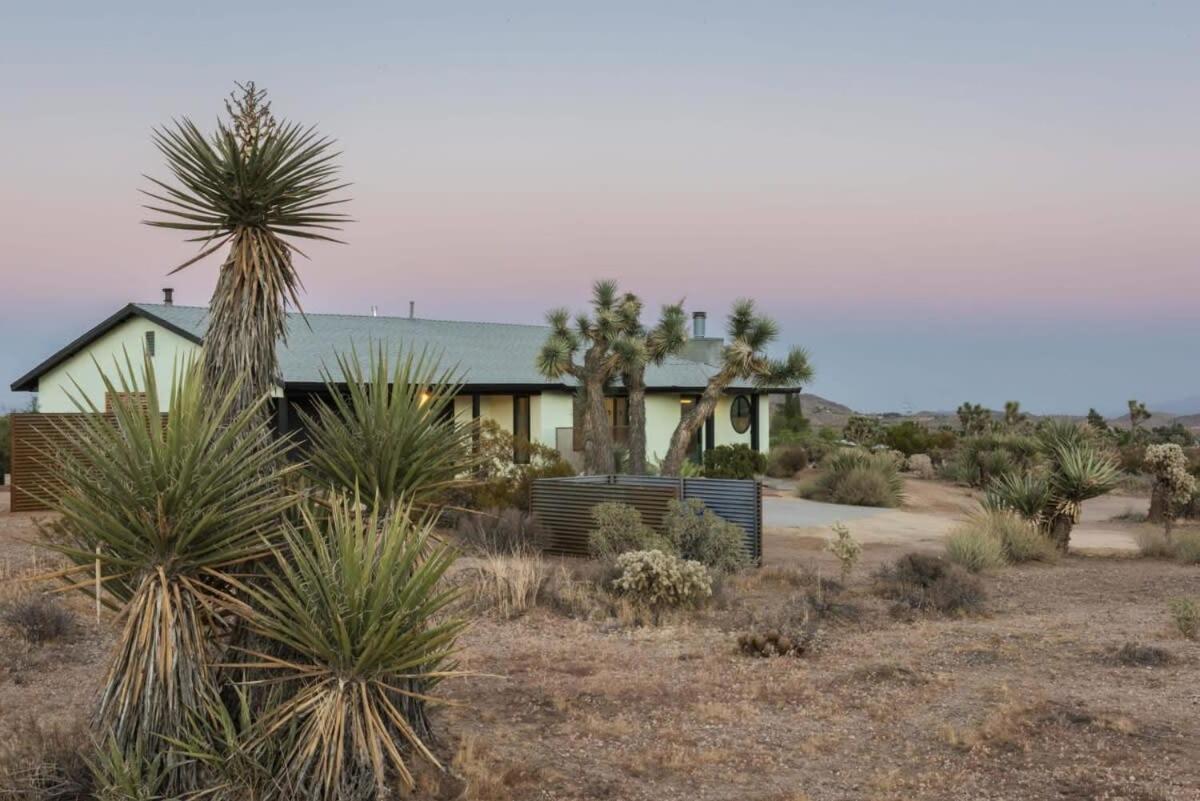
{"x":1016,"y":724}
{"x":44,"y":764}
{"x":507,"y":586}
{"x":975,"y":549}
{"x":922,"y":583}
{"x":1185,"y":614}
{"x":1153,"y":543}
{"x":1133,"y":654}
{"x":500,"y":531}
{"x":38,"y":619}
{"x":1187,"y":547}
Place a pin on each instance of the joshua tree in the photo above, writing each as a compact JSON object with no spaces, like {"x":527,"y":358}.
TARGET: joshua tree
{"x":1137,"y":414}
{"x":973,"y":418}
{"x":648,"y":347}
{"x":1013,"y":416}
{"x":605,"y":338}
{"x":1096,"y":420}
{"x":255,"y":185}
{"x":743,"y":358}
{"x":1075,"y":470}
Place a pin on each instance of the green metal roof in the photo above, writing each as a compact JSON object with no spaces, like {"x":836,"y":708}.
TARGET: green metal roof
{"x":487,"y":354}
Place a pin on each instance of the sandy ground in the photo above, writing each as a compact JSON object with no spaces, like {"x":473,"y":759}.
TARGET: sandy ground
{"x":1024,"y":701}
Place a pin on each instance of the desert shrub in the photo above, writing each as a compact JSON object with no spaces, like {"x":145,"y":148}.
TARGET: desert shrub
{"x":506,"y":585}
{"x":929,"y":583}
{"x":733,"y":461}
{"x":1153,"y":543}
{"x":786,"y":461}
{"x":1135,"y":654}
{"x":38,"y":763}
{"x":1131,"y":457}
{"x":501,"y":483}
{"x":921,"y":465}
{"x":845,"y":548}
{"x":774,"y":642}
{"x":857,"y":478}
{"x":38,"y":618}
{"x":700,"y":534}
{"x":500,"y":531}
{"x":1187,"y":547}
{"x":619,"y":529}
{"x":975,"y":548}
{"x":1185,"y":614}
{"x":658,"y":581}
{"x":1173,"y":486}
{"x":981,"y":458}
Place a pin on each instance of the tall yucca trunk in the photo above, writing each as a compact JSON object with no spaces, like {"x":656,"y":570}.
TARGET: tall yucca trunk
{"x":635,"y":383}
{"x":247,"y":318}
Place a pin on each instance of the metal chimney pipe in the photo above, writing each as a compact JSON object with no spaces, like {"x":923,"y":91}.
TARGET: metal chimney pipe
{"x":374,"y":311}
{"x":698,"y":319}
{"x":412,"y":309}
{"x":168,"y":296}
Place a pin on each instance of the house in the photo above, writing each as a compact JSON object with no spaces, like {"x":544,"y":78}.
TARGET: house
{"x":496,"y":361}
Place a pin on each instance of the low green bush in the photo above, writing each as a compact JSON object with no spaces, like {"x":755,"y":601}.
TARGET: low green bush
{"x":620,"y":529}
{"x":699,"y":534}
{"x":657,"y":581}
{"x":503,"y":484}
{"x":975,"y":549}
{"x":857,"y":478}
{"x":785,"y":461}
{"x":733,"y":461}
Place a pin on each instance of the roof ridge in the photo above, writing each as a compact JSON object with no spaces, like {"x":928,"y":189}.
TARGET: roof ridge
{"x":362,"y":316}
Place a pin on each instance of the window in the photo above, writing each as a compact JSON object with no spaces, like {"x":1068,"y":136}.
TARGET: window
{"x":740,"y":413}
{"x":696,"y":446}
{"x":149,"y":343}
{"x":521,"y":429}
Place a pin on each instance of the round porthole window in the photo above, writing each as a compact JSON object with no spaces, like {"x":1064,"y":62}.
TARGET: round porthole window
{"x":739,"y":414}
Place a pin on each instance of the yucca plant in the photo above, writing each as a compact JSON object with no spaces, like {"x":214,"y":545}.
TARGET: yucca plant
{"x":255,"y":185}
{"x":167,"y":511}
{"x":349,"y":605}
{"x":1074,"y":469}
{"x":390,"y":433}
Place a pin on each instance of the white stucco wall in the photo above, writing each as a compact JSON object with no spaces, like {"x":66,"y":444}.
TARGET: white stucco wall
{"x":551,"y":411}
{"x":56,"y":388}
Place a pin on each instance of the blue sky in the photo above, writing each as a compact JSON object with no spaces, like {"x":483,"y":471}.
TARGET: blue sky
{"x":942,"y":201}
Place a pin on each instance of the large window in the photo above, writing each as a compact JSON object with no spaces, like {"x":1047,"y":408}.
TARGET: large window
{"x":741,"y":414}
{"x":521,"y":429}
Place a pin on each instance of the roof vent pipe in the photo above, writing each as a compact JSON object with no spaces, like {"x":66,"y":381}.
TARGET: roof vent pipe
{"x":412,"y":309}
{"x":698,"y":319}
{"x":168,"y":296}
{"x":374,"y":311}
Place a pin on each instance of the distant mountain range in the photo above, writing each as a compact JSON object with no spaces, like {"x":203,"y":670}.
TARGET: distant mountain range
{"x":824,"y":412}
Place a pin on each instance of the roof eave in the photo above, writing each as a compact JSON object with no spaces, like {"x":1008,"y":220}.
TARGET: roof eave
{"x":29,"y":381}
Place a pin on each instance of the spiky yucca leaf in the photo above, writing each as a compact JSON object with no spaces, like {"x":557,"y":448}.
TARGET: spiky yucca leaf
{"x":391,"y":432}
{"x":1027,"y":494}
{"x":1082,"y":472}
{"x":170,"y":510}
{"x":351,"y":604}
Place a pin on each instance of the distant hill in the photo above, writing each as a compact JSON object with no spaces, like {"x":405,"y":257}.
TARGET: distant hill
{"x":828,"y":413}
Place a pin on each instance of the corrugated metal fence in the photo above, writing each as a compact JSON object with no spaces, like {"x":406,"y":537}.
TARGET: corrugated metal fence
{"x":564,"y":505}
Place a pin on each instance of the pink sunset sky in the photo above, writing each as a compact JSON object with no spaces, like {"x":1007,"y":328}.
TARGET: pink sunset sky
{"x":942,"y":201}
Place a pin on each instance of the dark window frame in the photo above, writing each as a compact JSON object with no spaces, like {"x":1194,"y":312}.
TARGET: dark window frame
{"x":734,"y":417}
{"x":522,"y":448}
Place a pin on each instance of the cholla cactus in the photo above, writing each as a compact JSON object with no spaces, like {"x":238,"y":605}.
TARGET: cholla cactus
{"x":1173,"y":485}
{"x":845,"y":548}
{"x":659,"y":581}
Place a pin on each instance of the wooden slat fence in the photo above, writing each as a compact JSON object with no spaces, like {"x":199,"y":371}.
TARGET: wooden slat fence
{"x":35,"y":474}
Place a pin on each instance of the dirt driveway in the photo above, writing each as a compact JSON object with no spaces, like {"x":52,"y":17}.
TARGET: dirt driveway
{"x":932,"y":510}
